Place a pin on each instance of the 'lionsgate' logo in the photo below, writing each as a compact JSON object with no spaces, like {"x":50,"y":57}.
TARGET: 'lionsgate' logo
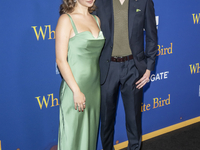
{"x":159,"y":76}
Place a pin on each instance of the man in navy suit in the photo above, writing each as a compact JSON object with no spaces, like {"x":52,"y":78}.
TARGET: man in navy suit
{"x":124,"y":64}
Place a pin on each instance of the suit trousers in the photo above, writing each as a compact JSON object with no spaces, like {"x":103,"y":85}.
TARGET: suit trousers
{"x":123,"y":76}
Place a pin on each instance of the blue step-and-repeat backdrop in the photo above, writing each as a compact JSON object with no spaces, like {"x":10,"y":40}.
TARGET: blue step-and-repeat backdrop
{"x":30,"y":81}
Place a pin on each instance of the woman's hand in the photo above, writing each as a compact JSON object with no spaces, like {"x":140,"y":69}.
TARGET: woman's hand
{"x":145,"y":79}
{"x":79,"y":101}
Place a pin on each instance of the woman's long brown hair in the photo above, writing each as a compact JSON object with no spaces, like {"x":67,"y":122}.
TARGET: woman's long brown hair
{"x":68,"y":6}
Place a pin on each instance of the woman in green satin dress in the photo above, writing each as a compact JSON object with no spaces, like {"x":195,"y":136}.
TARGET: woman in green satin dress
{"x":79,"y":41}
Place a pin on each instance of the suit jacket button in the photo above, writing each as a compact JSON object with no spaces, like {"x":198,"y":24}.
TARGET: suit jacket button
{"x":107,"y":60}
{"x":111,"y":46}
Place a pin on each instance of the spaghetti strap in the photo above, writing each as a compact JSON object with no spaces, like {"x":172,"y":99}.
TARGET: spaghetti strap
{"x":96,"y":21}
{"x":73,"y":25}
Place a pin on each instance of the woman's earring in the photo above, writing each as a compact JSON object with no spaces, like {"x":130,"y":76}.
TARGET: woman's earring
{"x":74,"y":1}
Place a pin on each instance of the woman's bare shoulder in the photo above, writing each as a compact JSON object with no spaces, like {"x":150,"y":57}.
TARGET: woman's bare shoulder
{"x":64,"y":18}
{"x":64,"y":22}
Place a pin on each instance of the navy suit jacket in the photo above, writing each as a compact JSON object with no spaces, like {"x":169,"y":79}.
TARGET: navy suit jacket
{"x":141,"y":15}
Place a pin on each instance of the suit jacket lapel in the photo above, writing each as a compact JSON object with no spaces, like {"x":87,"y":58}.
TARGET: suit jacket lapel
{"x":108,"y":7}
{"x":131,"y":15}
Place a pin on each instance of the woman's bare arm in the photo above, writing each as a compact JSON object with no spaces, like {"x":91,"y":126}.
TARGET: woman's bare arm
{"x":63,"y":33}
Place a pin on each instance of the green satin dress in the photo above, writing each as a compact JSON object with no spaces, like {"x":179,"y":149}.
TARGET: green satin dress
{"x":78,"y":130}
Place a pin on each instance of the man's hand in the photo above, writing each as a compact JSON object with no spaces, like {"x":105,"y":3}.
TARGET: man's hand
{"x":145,"y":79}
